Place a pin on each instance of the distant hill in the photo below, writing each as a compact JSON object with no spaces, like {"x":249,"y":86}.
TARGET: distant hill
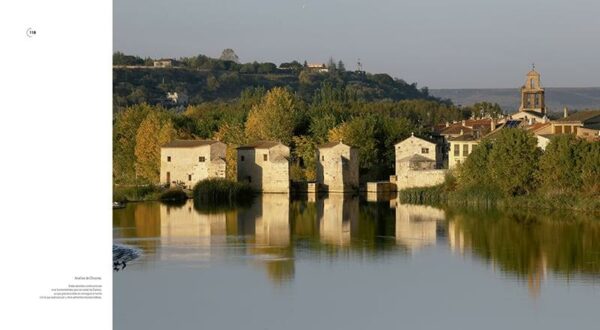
{"x":509,"y":98}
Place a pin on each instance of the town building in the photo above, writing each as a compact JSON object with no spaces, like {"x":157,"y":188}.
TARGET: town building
{"x":337,"y":167}
{"x":265,"y":166}
{"x":533,"y":103}
{"x":460,"y":148}
{"x":419,"y":146}
{"x":164,"y":63}
{"x":585,"y":124}
{"x":317,"y":67}
{"x":185,"y":162}
{"x":418,"y":163}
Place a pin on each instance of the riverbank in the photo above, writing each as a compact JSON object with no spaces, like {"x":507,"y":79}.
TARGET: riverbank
{"x":144,"y":193}
{"x":489,"y":197}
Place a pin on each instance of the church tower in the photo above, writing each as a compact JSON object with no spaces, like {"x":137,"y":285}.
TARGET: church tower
{"x":532,"y":94}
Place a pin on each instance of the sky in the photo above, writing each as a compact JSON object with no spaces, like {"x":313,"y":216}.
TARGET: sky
{"x":435,"y":43}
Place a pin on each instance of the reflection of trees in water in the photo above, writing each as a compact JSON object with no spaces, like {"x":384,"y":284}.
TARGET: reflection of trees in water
{"x":526,"y":245}
{"x":139,"y":221}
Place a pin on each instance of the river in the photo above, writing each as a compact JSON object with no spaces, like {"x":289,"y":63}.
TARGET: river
{"x":341,"y":262}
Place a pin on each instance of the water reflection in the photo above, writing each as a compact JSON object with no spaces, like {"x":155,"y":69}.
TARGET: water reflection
{"x":417,"y":225}
{"x":528,"y":245}
{"x":337,"y":214}
{"x":276,"y":231}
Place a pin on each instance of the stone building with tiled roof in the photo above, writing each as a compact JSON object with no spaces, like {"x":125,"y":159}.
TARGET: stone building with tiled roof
{"x":337,"y":167}
{"x":185,"y":162}
{"x":265,"y":166}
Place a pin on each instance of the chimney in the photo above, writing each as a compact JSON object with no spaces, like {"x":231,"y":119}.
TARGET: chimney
{"x":565,"y":112}
{"x":447,"y":124}
{"x":492,"y":124}
{"x":530,"y":121}
{"x":464,"y":122}
{"x":461,"y":131}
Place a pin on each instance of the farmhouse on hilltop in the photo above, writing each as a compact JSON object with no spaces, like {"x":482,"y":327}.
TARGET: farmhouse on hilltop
{"x":265,"y":166}
{"x":337,"y":167}
{"x":185,"y":162}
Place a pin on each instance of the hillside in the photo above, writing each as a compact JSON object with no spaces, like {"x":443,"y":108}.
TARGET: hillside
{"x":202,"y":79}
{"x":508,"y":98}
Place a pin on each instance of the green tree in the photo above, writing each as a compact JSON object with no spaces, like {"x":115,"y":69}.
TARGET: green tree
{"x":274,"y":118}
{"x":513,"y":161}
{"x":560,"y":165}
{"x":154,"y":131}
{"x":125,"y":128}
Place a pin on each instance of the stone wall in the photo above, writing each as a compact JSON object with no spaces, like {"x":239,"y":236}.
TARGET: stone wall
{"x":337,"y":168}
{"x":411,"y":179}
{"x":266,"y":170}
{"x":414,"y":145}
{"x":187,"y":167}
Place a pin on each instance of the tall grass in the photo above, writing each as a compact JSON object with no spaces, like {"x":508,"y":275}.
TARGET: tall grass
{"x":136,"y":193}
{"x":218,"y":192}
{"x":423,"y":195}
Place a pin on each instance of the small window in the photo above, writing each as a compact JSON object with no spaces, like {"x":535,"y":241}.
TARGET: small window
{"x":189,"y":177}
{"x":424,"y":150}
{"x":242,"y":158}
{"x":201,"y":159}
{"x":456,"y":150}
{"x":465,"y":149}
{"x":168,"y":158}
{"x":322,"y":158}
{"x":567,"y":129}
{"x":249,"y":179}
{"x":265,"y":157}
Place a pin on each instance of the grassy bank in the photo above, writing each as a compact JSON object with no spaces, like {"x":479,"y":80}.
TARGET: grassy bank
{"x":221,"y":192}
{"x":148,"y":193}
{"x":490,"y":197}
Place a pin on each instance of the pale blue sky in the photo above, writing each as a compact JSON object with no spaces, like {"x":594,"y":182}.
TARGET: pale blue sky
{"x":436,"y":43}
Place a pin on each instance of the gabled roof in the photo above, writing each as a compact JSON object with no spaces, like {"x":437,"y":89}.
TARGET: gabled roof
{"x":416,"y":158}
{"x":464,"y":137}
{"x":416,"y":137}
{"x":456,"y":129}
{"x":260,"y":145}
{"x":189,"y":143}
{"x":333,"y":144}
{"x":580,"y":116}
{"x":537,"y":126}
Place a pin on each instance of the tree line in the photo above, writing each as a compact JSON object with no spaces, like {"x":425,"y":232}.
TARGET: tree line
{"x":333,"y":114}
{"x":208,"y":79}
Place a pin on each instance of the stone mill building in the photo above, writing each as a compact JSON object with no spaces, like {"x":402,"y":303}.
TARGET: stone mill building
{"x":265,"y":166}
{"x":337,"y":167}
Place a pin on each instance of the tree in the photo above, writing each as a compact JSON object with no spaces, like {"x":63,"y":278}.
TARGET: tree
{"x":125,"y":128}
{"x":359,"y":132}
{"x":474,"y":171}
{"x":590,"y":167}
{"x":560,"y":165}
{"x":274,"y":118}
{"x":154,"y":131}
{"x":513,"y":161}
{"x":341,"y":67}
{"x":229,"y":54}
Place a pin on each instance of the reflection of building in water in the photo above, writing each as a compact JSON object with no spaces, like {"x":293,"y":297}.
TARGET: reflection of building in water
{"x":416,"y":225}
{"x":456,"y":239}
{"x":268,"y":220}
{"x":272,"y":226}
{"x":337,"y":213}
{"x":186,"y":224}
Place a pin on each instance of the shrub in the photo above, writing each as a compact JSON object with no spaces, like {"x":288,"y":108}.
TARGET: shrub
{"x":218,"y":192}
{"x":173,"y":195}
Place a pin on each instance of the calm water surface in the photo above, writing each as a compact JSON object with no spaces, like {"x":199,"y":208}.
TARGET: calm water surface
{"x":343,"y":263}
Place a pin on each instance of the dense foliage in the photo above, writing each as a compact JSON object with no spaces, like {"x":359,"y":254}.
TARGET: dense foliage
{"x":207,"y":79}
{"x":278,"y":114}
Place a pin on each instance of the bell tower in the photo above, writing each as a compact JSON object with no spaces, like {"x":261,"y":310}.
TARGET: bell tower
{"x":532,"y":94}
